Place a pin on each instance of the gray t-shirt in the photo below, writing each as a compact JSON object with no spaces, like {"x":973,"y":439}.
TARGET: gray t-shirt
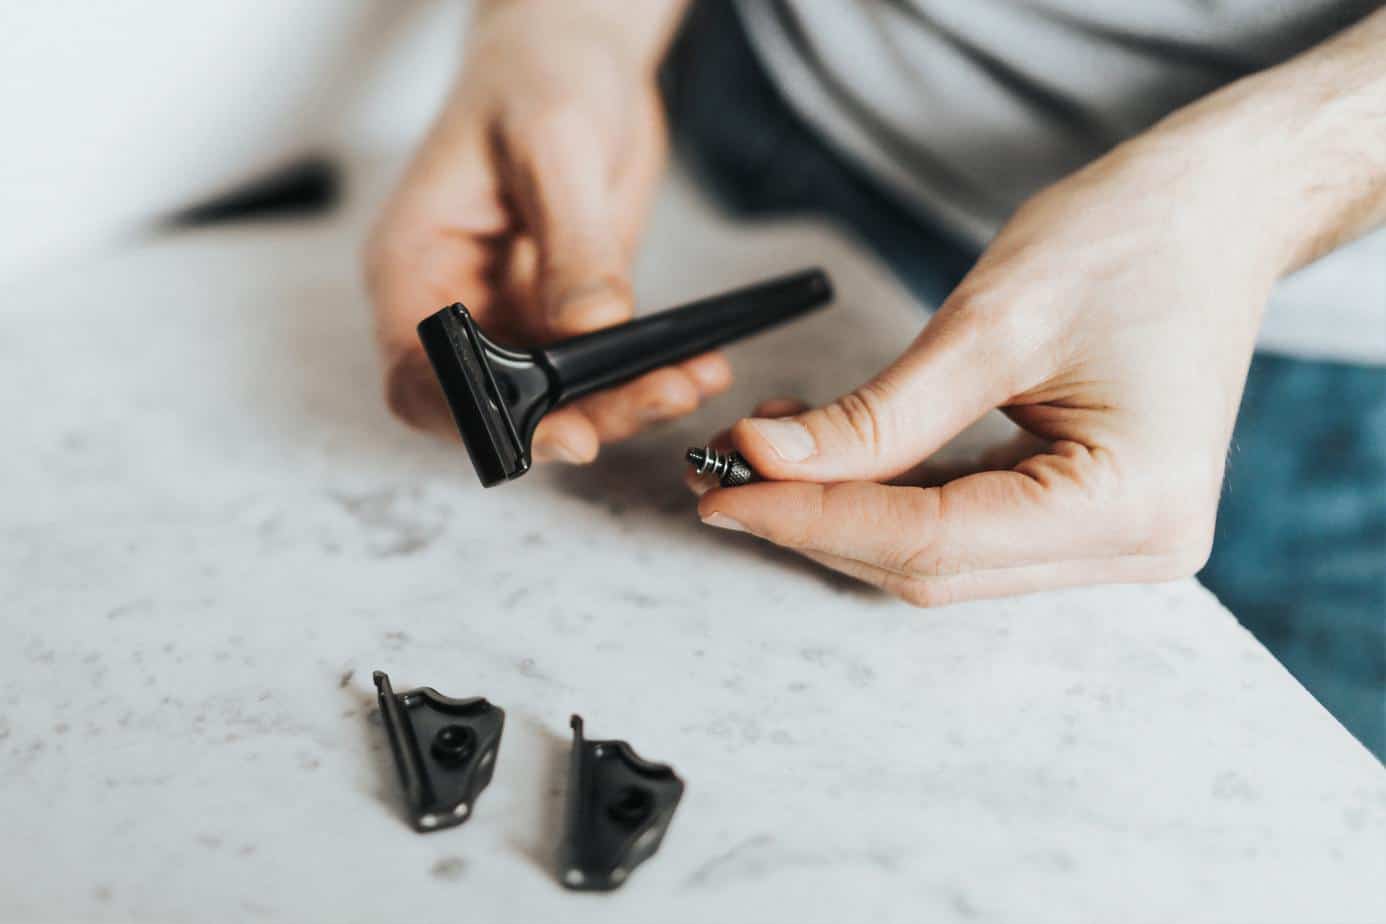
{"x":967,"y":108}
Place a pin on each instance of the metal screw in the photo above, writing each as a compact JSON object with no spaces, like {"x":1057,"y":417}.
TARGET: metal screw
{"x":453,"y":744}
{"x":633,"y":804}
{"x":728,"y":467}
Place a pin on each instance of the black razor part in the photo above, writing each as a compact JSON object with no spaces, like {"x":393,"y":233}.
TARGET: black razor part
{"x":619,"y":807}
{"x":730,"y":468}
{"x":445,"y":750}
{"x":498,"y":394}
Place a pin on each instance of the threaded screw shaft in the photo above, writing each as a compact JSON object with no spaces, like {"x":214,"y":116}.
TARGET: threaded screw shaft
{"x":728,"y":467}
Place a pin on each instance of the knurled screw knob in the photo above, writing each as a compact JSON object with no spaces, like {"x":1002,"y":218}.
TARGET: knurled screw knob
{"x":728,"y":467}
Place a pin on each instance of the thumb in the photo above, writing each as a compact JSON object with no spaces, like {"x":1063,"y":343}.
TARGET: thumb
{"x":940,"y":385}
{"x":561,"y":188}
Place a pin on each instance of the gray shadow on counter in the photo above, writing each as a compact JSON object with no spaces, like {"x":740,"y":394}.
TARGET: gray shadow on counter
{"x":645,"y":475}
{"x":384,"y":775}
{"x":541,"y":845}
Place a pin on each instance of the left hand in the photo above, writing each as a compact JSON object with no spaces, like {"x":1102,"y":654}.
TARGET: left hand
{"x":526,"y":202}
{"x":1113,"y":319}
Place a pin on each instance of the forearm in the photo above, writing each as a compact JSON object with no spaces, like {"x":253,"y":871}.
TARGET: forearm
{"x":644,"y":28}
{"x":1297,"y":151}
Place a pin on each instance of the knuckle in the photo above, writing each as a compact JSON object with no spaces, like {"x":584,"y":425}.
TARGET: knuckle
{"x":673,"y":394}
{"x":924,"y":553}
{"x":1089,"y":477}
{"x":804,"y":531}
{"x":850,"y":511}
{"x":685,"y":402}
{"x":865,"y":415}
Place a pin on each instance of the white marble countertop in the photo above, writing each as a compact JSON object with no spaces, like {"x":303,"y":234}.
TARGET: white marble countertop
{"x":211,"y":533}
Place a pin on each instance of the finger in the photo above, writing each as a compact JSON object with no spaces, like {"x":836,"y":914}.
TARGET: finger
{"x":560,"y":181}
{"x":408,"y":284}
{"x":943,"y":383}
{"x":721,"y":440}
{"x":426,"y":252}
{"x":565,"y":435}
{"x":1026,"y":579}
{"x":663,"y":394}
{"x":775,"y":407}
{"x":711,"y":372}
{"x":1055,"y":507}
{"x":941,"y":468}
{"x":1005,"y":582}
{"x":413,"y":394}
{"x":573,"y":433}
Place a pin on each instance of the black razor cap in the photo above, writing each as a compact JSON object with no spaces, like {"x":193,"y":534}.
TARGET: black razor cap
{"x":499,"y":394}
{"x":619,"y":809}
{"x":445,"y":751}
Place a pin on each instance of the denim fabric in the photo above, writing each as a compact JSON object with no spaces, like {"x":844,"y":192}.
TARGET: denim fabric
{"x":1300,"y":551}
{"x":758,"y":158}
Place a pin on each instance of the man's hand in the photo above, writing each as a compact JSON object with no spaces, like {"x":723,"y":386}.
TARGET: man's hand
{"x":1113,"y":319}
{"x":526,"y":203}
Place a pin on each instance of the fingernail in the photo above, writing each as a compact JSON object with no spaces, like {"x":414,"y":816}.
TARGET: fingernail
{"x":722,"y":521}
{"x":790,"y":439}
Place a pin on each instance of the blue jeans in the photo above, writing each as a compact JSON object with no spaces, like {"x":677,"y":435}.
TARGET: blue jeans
{"x":1300,"y":550}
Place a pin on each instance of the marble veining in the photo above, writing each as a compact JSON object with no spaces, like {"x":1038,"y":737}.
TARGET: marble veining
{"x":212,"y":533}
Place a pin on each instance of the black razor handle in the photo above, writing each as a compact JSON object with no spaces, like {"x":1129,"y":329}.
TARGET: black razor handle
{"x":607,"y":357}
{"x":498,"y":394}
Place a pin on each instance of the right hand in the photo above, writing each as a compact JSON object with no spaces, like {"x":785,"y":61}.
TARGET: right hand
{"x":525,"y":203}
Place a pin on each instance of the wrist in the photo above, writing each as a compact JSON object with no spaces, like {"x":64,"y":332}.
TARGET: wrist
{"x":1294,"y":156}
{"x":1219,"y":191}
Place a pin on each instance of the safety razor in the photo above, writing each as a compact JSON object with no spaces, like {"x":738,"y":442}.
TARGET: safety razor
{"x":498,"y":394}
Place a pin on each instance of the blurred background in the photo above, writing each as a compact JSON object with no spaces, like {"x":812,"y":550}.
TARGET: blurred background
{"x":119,"y":114}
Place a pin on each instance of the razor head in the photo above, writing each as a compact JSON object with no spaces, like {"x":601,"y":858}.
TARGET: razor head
{"x":497,"y":395}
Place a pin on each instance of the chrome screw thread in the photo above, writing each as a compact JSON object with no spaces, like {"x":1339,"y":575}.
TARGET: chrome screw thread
{"x":728,"y":467}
